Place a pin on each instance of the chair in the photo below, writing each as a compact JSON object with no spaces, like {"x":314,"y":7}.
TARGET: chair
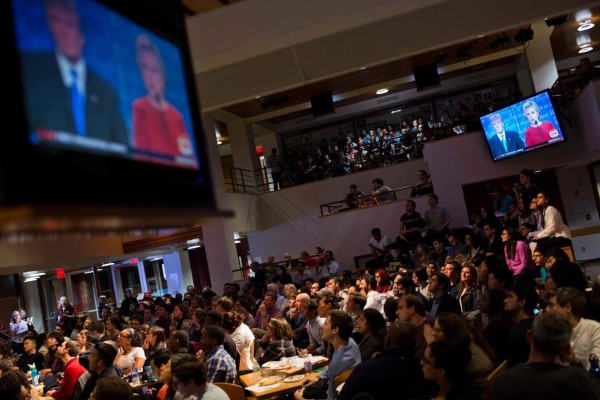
{"x":338,"y":382}
{"x":341,"y":378}
{"x":569,"y":251}
{"x":234,"y":392}
{"x":489,"y":379}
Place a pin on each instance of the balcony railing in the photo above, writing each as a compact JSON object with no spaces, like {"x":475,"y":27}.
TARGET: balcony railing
{"x":365,"y":201}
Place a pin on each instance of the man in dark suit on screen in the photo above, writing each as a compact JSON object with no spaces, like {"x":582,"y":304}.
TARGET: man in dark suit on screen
{"x":62,"y":92}
{"x":503,"y":142}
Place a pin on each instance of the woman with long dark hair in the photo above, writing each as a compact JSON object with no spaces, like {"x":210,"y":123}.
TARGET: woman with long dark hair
{"x":449,"y":326}
{"x":555,"y":232}
{"x":467,"y":290}
{"x":517,"y":253}
{"x":372,"y":325}
{"x":181,"y":319}
{"x":496,"y":327}
{"x":445,"y":363}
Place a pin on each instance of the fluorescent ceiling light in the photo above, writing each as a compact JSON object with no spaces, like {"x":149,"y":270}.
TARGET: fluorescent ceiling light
{"x":382,"y":91}
{"x":32,"y":279}
{"x":238,"y":241}
{"x":108,"y":264}
{"x":396,"y":111}
{"x":585,"y":49}
{"x":89,"y":272}
{"x":585,"y":26}
{"x":195,"y":246}
{"x":156,"y":258}
{"x":37,"y":274}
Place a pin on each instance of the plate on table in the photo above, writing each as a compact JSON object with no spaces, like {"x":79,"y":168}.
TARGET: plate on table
{"x":294,"y":378}
{"x":274,"y":365}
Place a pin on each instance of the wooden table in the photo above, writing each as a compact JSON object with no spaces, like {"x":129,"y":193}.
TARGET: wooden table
{"x":276,"y":392}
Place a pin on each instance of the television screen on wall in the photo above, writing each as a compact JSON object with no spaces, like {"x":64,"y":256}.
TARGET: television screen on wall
{"x":105,"y":104}
{"x":522,"y":127}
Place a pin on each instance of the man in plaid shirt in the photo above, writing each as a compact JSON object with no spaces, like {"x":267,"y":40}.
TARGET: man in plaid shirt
{"x":220,"y":367}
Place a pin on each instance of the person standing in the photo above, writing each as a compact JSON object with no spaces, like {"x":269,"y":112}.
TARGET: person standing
{"x":436,"y":216}
{"x":18,"y":329}
{"x":274,"y":164}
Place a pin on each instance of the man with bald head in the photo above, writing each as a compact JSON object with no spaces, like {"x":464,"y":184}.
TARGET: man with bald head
{"x":397,"y":367}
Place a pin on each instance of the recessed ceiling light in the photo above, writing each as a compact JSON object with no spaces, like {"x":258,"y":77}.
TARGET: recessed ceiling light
{"x":382,"y":91}
{"x":480,"y":36}
{"x":584,"y":26}
{"x":363,"y":68}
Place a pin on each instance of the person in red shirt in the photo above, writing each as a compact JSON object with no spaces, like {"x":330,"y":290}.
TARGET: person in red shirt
{"x":159,"y":131}
{"x":539,"y":132}
{"x":68,"y":352}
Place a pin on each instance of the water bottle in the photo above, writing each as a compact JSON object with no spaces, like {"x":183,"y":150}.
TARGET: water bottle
{"x":308,"y":368}
{"x":594,"y":367}
{"x":256,"y":371}
{"x":35,"y":377}
{"x":135,"y":377}
{"x":149,"y":373}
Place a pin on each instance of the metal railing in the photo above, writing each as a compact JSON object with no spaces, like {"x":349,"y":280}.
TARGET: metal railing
{"x":241,"y":180}
{"x":365,"y":201}
{"x":238,"y":180}
{"x":241,"y":274}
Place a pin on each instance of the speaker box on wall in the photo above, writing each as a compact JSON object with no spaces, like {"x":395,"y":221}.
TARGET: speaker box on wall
{"x":322,"y":103}
{"x":426,"y":76}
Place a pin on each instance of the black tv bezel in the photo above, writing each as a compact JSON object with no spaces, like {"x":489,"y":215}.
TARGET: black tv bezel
{"x":41,"y":175}
{"x":487,"y":143}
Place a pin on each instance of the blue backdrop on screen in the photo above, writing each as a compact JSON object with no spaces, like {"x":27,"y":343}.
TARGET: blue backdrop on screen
{"x":514,"y":120}
{"x":110,"y":50}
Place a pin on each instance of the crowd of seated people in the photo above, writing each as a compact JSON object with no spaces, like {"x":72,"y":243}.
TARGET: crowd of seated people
{"x":372,"y":148}
{"x":433,"y":315}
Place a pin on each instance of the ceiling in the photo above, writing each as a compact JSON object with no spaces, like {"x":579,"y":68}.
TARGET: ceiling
{"x":360,"y":85}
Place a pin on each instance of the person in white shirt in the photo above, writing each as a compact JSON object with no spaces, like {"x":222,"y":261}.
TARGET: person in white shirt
{"x":585,"y":339}
{"x":555,"y":232}
{"x":367,"y":287}
{"x":331,"y":266}
{"x":233,"y":323}
{"x":378,"y":243}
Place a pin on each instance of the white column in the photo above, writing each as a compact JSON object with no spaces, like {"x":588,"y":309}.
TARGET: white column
{"x":540,"y":57}
{"x":174,"y":274}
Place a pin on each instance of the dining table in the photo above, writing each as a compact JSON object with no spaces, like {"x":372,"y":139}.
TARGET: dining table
{"x":282,"y":388}
{"x":290,"y":378}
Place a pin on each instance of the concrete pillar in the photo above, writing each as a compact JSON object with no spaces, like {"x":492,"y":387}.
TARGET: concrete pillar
{"x":221,"y":253}
{"x":524,"y":77}
{"x":540,"y":57}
